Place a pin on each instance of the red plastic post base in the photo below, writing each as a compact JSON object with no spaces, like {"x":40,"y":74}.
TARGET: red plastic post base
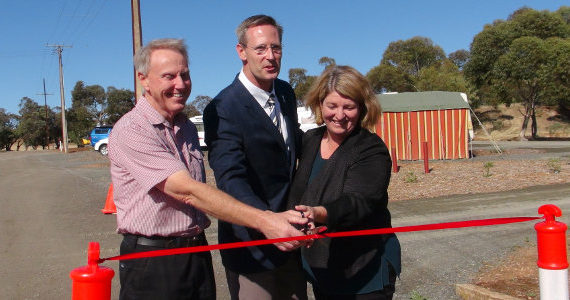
{"x":551,"y":239}
{"x":92,"y":282}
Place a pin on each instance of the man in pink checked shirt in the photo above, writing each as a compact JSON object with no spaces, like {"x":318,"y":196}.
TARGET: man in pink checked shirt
{"x":159,"y":186}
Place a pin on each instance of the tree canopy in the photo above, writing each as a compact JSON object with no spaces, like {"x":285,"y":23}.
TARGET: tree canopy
{"x":388,"y":78}
{"x":200,"y":102}
{"x":459,"y":58}
{"x":522,"y":60}
{"x":92,"y":106}
{"x":119,"y":102}
{"x":7,"y":129}
{"x":417,"y":64}
{"x":32,"y":123}
{"x":301,"y":82}
{"x":412,"y":55}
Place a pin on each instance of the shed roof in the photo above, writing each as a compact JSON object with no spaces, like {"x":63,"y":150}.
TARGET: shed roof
{"x":420,"y":101}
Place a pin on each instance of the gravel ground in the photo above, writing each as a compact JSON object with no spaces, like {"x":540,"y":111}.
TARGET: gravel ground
{"x":518,"y":167}
{"x":521,"y":165}
{"x":471,"y":177}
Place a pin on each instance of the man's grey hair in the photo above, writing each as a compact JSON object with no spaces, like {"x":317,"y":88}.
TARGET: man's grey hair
{"x":142,"y":57}
{"x":256,"y":20}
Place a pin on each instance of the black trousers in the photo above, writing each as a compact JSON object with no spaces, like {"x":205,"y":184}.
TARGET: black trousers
{"x":384,"y":294}
{"x":182,"y":276}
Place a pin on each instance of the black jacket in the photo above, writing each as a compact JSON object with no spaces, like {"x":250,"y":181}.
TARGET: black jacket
{"x":353,"y":186}
{"x":250,"y":162}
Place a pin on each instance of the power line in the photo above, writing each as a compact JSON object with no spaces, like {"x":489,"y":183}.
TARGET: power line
{"x":86,"y":22}
{"x":57,"y":21}
{"x":71,"y":20}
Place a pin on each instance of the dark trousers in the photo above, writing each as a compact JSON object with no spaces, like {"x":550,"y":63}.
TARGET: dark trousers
{"x":284,"y":282}
{"x":384,"y":294}
{"x":182,"y":276}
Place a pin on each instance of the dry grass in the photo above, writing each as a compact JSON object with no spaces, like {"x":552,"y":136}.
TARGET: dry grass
{"x":516,"y":275}
{"x":505,"y":123}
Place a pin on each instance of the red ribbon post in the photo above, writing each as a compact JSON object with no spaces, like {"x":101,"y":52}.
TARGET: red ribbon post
{"x":436,"y":226}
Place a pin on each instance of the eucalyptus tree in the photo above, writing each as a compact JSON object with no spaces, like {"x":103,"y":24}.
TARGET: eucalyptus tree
{"x":519,"y":60}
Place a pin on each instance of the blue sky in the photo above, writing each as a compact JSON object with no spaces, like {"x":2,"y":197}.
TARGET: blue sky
{"x":352,"y":32}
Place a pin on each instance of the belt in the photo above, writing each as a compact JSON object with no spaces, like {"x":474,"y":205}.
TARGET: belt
{"x":168,"y":242}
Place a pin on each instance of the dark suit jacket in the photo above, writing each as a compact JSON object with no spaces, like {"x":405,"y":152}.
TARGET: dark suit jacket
{"x":251,"y":163}
{"x":353,"y":186}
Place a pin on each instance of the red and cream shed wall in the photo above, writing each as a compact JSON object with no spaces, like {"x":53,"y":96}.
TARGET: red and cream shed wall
{"x":441,"y":119}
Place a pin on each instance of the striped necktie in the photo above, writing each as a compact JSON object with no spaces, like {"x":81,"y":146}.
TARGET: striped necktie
{"x":274,"y":112}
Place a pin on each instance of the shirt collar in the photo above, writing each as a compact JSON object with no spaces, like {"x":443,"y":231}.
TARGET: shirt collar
{"x":154,"y":116}
{"x":260,"y":95}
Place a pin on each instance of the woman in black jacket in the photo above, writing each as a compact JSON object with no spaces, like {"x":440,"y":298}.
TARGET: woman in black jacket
{"x":342,"y":183}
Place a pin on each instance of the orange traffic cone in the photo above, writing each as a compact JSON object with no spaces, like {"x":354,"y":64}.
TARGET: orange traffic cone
{"x":110,"y":207}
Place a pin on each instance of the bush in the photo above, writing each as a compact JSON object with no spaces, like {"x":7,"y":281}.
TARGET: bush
{"x":554,"y":165}
{"x":497,"y":125}
{"x":410,"y":177}
{"x":487,"y":167}
{"x":556,"y":128}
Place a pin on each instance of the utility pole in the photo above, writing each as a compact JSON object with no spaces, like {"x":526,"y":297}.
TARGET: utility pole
{"x":59,"y":49}
{"x":137,"y":41}
{"x":45,"y":107}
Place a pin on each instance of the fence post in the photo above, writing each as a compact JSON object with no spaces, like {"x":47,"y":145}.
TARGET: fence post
{"x":426,"y":158}
{"x":552,"y":259}
{"x":395,"y":168}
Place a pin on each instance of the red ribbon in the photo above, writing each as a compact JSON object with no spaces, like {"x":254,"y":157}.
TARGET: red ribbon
{"x":437,"y":226}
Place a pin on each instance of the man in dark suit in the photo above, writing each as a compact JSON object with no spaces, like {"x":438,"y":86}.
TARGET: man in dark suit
{"x":253,"y":137}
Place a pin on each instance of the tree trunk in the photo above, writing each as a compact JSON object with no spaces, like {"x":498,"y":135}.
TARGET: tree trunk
{"x":526,"y":117}
{"x":523,"y":129}
{"x":533,"y":126}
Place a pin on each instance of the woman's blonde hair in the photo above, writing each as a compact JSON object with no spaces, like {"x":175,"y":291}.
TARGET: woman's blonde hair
{"x":349,"y":83}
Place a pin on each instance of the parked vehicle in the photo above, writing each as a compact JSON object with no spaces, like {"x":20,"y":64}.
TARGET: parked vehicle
{"x":198,"y":121}
{"x":306,"y":118}
{"x":98,"y":133}
{"x":101,"y":146}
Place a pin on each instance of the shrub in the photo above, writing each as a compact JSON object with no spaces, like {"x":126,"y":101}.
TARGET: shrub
{"x":410,"y":177}
{"x":415,"y":295}
{"x":497,"y":125}
{"x":554,"y":165}
{"x":487,"y":167}
{"x":556,"y":129}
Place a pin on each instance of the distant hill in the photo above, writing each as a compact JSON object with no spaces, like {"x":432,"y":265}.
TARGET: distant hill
{"x":504,"y":123}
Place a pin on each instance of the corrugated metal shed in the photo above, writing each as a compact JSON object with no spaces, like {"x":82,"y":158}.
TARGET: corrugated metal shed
{"x":439,"y":118}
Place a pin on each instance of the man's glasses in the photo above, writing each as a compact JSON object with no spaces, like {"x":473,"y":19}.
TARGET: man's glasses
{"x":262,"y":49}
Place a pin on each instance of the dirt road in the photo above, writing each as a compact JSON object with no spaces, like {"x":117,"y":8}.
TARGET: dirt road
{"x":51,"y":208}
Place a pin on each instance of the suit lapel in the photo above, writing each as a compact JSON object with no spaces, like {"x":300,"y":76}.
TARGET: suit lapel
{"x":290,"y":123}
{"x":257,"y":114}
{"x":285,"y":105}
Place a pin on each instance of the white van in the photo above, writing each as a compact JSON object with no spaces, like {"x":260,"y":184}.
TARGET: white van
{"x":197,"y":120}
{"x":306,"y":118}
